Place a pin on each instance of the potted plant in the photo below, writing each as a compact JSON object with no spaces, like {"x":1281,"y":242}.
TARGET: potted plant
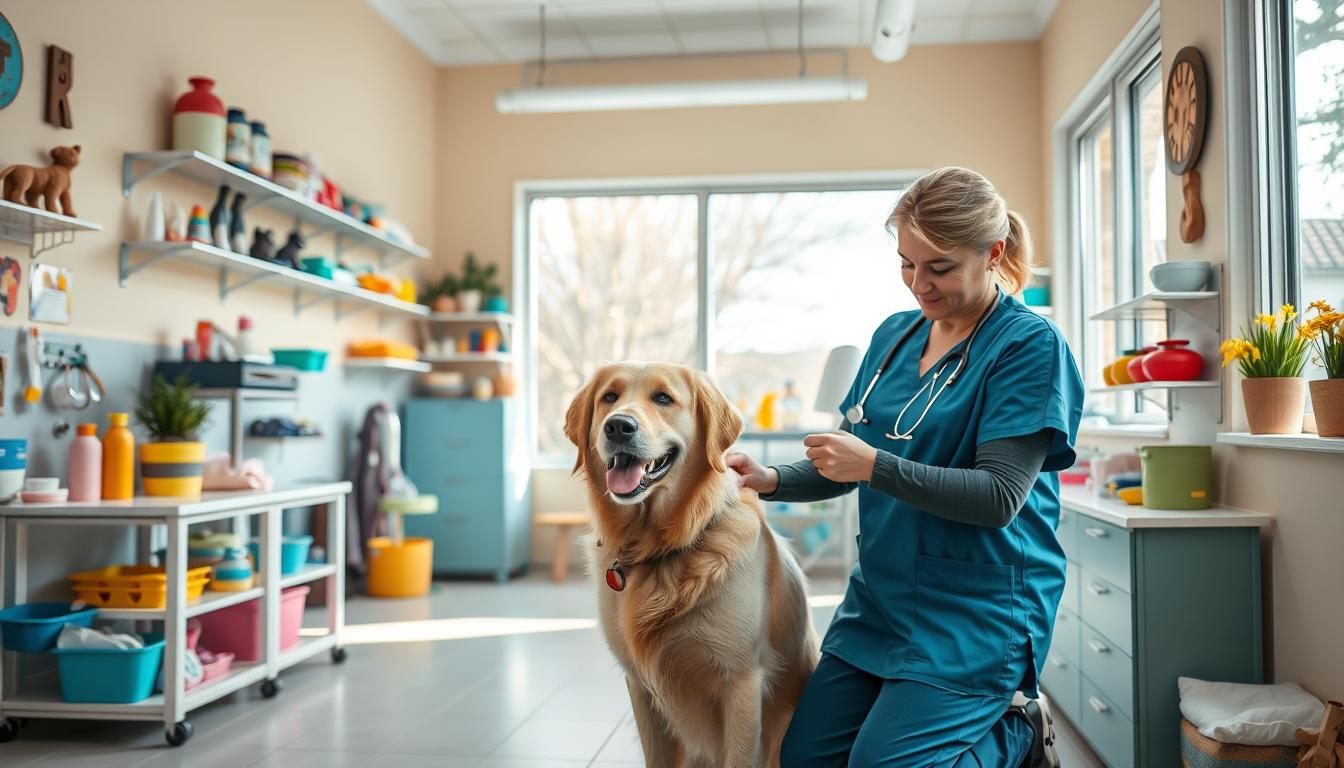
{"x":477,"y":283}
{"x":442,"y":296}
{"x":171,"y":462}
{"x":1271,"y":358}
{"x":1325,"y":333}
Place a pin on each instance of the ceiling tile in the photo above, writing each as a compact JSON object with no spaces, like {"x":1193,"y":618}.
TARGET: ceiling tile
{"x":937,"y":31}
{"x":416,"y":6}
{"x":523,"y":49}
{"x":710,"y":40}
{"x":463,"y":52}
{"x":942,"y":9}
{"x":443,"y":24}
{"x":1002,"y":7}
{"x":634,"y":45}
{"x":980,"y":29}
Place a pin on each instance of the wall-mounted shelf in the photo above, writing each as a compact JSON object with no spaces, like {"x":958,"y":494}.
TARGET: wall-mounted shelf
{"x":1149,"y":386}
{"x":469,"y":357}
{"x":1303,"y":442}
{"x":309,"y":290}
{"x":38,"y":229}
{"x":139,"y":166}
{"x":254,"y":393}
{"x":1151,"y":305}
{"x":500,"y":318}
{"x":388,"y":364}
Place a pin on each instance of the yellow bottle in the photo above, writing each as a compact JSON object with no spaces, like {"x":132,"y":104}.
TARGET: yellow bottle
{"x":767,"y":417}
{"x":118,"y":459}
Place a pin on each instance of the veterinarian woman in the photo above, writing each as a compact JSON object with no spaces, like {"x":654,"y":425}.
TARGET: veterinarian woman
{"x":954,"y":428}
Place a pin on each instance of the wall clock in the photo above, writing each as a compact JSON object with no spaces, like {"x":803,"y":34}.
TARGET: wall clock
{"x":1185,"y":119}
{"x":11,"y":63}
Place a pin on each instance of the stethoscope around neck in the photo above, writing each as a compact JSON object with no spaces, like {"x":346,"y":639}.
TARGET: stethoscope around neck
{"x":855,"y":413}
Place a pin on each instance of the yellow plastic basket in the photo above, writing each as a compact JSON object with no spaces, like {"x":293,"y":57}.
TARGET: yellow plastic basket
{"x":133,"y":586}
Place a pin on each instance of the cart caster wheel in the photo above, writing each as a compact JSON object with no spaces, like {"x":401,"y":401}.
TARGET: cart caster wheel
{"x":179,"y":735}
{"x":270,"y":688}
{"x":338,"y":655}
{"x":9,"y":729}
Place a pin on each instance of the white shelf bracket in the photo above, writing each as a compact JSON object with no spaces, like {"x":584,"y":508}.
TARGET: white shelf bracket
{"x":129,"y":267}
{"x":225,"y":288}
{"x":129,"y":178}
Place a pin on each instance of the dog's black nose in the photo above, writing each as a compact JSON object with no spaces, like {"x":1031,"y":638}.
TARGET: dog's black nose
{"x":620,"y":427}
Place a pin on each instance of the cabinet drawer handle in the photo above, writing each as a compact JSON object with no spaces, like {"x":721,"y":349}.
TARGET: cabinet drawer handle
{"x":1098,"y":647}
{"x":1059,"y":663}
{"x":1098,"y":704}
{"x":1097,"y":589}
{"x":1096,"y":533}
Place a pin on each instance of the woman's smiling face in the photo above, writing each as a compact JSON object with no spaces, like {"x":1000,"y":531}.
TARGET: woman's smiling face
{"x":946,"y":284}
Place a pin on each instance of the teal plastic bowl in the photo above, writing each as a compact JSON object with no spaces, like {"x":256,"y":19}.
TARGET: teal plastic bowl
{"x":303,"y":359}
{"x":293,"y":553}
{"x":109,"y":675}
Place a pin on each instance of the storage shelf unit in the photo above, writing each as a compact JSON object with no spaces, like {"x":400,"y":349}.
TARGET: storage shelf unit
{"x":1153,"y":303}
{"x":469,"y":357}
{"x":39,"y":696}
{"x":38,"y":229}
{"x":196,"y":166}
{"x":237,"y":271}
{"x":1302,"y":442}
{"x":388,"y":364}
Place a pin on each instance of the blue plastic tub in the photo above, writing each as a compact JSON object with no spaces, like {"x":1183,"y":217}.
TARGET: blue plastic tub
{"x":34,"y":627}
{"x":302,"y":359}
{"x":293,"y":553}
{"x":109,"y":675}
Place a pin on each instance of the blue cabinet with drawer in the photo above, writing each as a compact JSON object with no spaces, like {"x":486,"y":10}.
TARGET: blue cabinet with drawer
{"x":1142,"y":606}
{"x":467,"y":453}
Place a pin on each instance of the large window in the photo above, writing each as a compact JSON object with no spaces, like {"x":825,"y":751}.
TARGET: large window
{"x":1117,"y":220}
{"x":755,"y":286}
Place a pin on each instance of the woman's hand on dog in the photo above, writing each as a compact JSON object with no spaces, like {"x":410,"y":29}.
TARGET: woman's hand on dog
{"x":841,"y":457}
{"x":764,"y":480}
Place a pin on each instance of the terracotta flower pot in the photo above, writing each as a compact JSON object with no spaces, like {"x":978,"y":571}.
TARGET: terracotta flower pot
{"x":1327,"y":402}
{"x":1274,"y":405}
{"x":444,"y":304}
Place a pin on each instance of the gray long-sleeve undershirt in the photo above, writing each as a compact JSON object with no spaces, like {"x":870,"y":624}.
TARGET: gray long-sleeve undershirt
{"x":989,"y":494}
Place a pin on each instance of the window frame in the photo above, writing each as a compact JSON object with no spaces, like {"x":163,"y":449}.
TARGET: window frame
{"x":524,"y":257}
{"x":1110,"y":97}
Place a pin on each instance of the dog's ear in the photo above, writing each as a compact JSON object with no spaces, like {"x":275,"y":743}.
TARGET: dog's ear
{"x":578,"y":422}
{"x":716,"y":419}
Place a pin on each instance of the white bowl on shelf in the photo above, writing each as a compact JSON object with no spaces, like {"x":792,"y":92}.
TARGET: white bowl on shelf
{"x":1180,"y":276}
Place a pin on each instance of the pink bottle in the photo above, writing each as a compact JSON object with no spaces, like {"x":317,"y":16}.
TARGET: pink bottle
{"x":86,"y":465}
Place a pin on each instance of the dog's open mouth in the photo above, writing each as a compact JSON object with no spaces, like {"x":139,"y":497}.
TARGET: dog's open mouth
{"x":629,"y":475}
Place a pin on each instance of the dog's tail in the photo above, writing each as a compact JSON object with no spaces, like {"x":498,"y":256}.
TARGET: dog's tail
{"x":7,"y":171}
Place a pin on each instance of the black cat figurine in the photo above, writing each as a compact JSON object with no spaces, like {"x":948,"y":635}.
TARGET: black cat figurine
{"x":289,"y":252}
{"x":238,"y":229}
{"x":219,"y":219}
{"x":263,"y":245}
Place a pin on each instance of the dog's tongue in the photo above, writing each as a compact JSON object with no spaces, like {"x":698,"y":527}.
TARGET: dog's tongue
{"x":625,"y":476}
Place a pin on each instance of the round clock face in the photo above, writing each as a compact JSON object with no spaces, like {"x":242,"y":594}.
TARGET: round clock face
{"x":1186,"y":108}
{"x":11,"y":63}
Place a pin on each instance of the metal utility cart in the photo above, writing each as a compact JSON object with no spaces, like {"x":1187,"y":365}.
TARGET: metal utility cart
{"x":43,"y":699}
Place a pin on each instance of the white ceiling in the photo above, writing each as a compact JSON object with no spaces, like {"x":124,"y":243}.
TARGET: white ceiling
{"x":465,"y":32}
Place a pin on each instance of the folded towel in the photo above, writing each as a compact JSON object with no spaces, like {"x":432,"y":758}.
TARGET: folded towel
{"x":74,"y":636}
{"x":1236,"y":713}
{"x":221,"y":475}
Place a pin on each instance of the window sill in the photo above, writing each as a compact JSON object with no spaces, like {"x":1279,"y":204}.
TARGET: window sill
{"x":1303,"y":442}
{"x":1145,"y":431}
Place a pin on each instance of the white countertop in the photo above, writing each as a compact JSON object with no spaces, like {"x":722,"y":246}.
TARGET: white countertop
{"x":210,"y":502}
{"x":1085,"y":502}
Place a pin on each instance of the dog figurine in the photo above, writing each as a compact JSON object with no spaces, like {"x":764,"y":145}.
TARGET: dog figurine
{"x":24,"y":184}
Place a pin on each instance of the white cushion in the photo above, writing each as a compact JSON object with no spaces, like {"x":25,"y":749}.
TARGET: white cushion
{"x":1236,"y":713}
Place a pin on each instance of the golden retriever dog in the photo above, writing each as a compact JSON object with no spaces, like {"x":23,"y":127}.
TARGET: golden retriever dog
{"x":704,"y":608}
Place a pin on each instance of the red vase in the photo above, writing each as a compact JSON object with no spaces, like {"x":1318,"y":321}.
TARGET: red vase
{"x":1174,"y":362}
{"x":1135,"y":368}
{"x":199,"y":120}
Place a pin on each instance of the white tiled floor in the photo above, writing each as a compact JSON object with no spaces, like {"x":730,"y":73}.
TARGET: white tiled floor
{"x":501,"y":695}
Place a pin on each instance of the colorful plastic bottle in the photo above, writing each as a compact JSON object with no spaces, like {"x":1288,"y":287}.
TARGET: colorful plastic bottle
{"x":238,"y":140}
{"x":86,"y":464}
{"x":118,"y":459}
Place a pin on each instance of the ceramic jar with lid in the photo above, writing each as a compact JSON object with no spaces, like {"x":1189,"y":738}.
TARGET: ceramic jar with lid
{"x":199,"y":120}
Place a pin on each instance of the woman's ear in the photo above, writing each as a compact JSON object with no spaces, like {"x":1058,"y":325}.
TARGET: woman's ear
{"x":995,"y":254}
{"x":578,"y":422}
{"x":716,"y":420}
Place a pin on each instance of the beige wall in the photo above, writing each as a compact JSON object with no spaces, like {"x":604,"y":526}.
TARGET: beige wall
{"x":325,"y":75}
{"x":975,"y":105}
{"x":1078,"y":39}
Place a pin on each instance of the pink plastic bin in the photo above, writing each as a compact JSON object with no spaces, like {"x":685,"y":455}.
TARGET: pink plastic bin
{"x":237,"y":629}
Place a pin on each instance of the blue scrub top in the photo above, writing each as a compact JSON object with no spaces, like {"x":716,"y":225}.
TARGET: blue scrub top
{"x":968,"y":608}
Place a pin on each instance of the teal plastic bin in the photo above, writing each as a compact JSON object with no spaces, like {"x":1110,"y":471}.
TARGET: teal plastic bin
{"x":293,"y":553}
{"x":303,"y":359}
{"x":109,"y":675}
{"x":34,"y":627}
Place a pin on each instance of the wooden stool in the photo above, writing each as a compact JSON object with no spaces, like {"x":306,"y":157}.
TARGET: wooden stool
{"x":565,"y":523}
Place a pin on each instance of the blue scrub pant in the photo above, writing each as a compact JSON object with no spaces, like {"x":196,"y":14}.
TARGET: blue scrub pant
{"x":847,"y":717}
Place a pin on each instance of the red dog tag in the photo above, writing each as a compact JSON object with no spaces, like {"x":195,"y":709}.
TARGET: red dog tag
{"x":616,"y":577}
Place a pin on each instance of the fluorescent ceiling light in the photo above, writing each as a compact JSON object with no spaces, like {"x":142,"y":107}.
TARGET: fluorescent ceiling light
{"x":891,"y":29}
{"x":710,"y":93}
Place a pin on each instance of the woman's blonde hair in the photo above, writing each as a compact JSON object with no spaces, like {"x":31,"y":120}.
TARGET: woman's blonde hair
{"x":954,"y":207}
